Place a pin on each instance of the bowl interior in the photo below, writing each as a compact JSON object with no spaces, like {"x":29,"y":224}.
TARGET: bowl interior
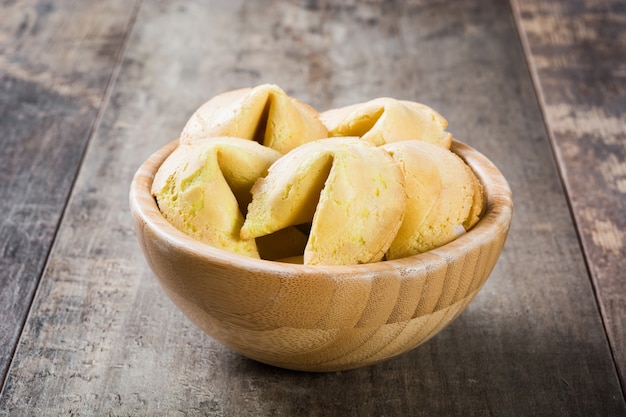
{"x":495,"y":219}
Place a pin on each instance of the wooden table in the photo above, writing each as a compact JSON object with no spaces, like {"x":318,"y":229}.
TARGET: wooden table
{"x":89,"y":89}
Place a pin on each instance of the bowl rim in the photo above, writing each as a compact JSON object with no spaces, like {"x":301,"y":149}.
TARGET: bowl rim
{"x":494,"y":220}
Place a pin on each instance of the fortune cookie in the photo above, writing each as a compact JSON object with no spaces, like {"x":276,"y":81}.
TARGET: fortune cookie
{"x":444,"y":197}
{"x":351,"y":192}
{"x":203,"y":188}
{"x":384,"y":120}
{"x":264,"y":113}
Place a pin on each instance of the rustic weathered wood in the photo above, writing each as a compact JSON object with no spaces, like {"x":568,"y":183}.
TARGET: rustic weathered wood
{"x":56,"y":61}
{"x":577,"y":54}
{"x":102,"y":337}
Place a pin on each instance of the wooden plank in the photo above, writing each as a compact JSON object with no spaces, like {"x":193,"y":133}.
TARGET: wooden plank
{"x":577,"y":53}
{"x":104,"y":339}
{"x":56,"y":61}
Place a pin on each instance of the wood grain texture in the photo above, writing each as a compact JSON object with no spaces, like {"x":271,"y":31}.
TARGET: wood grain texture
{"x":103,"y":338}
{"x":56,"y":60}
{"x":577,"y":52}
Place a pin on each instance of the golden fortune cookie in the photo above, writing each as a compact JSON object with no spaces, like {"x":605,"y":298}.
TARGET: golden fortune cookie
{"x":350,"y":191}
{"x":202,"y":187}
{"x":385,"y":120}
{"x":264,"y":113}
{"x":444,"y":197}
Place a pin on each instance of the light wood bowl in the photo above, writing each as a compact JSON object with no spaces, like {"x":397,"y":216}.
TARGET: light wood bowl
{"x":322,"y":318}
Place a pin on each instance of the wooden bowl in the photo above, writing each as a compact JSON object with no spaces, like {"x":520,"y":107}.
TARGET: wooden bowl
{"x":322,"y":318}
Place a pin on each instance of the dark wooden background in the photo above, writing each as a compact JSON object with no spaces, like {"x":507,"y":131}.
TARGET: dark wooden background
{"x":89,"y":89}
